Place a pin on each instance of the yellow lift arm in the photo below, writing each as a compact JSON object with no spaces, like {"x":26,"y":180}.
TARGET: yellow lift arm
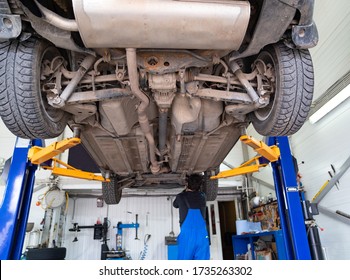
{"x":39,"y":155}
{"x":271,"y":153}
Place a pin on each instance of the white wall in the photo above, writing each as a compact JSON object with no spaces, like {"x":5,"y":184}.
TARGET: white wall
{"x":320,"y":145}
{"x":154,"y":217}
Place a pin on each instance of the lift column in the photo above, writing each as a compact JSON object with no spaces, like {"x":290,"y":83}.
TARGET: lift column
{"x":289,"y":202}
{"x":17,"y":198}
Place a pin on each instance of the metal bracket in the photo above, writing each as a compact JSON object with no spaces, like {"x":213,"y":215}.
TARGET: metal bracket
{"x":10,"y":26}
{"x":266,"y":154}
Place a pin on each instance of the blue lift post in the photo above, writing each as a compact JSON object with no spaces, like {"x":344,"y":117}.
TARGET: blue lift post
{"x":16,"y":200}
{"x":289,"y":202}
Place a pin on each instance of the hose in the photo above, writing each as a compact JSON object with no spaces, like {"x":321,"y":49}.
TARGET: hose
{"x":145,"y":247}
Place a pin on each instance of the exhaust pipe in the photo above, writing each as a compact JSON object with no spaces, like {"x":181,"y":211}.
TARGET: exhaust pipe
{"x":56,"y":20}
{"x":141,"y":110}
{"x":163,"y":122}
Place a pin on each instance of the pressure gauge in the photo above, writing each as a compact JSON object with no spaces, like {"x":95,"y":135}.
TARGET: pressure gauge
{"x":55,"y":198}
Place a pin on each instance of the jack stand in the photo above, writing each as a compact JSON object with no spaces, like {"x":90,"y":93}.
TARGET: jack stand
{"x":17,"y":198}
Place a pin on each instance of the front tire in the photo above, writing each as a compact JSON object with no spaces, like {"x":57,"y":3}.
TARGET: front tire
{"x":23,"y":107}
{"x":293,"y":84}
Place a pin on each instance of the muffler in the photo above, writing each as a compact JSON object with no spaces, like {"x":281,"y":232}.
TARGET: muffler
{"x":162,"y":23}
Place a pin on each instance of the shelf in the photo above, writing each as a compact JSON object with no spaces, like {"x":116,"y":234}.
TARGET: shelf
{"x":240,"y":243}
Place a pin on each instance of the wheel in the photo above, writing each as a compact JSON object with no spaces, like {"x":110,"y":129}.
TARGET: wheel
{"x":23,"y":107}
{"x":210,"y":187}
{"x":290,"y":73}
{"x":112,"y":191}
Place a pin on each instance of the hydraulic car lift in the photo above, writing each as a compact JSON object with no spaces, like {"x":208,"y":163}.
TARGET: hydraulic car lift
{"x":290,"y":198}
{"x":29,"y":154}
{"x":14,"y":211}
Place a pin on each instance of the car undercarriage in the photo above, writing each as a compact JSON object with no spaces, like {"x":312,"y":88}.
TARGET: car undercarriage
{"x":160,"y":89}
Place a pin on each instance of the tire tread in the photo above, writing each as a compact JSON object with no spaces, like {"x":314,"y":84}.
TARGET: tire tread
{"x":111,"y":191}
{"x":297,"y":83}
{"x":20,"y":106}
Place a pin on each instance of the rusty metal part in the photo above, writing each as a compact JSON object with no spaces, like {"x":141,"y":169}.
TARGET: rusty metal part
{"x":162,"y":83}
{"x":60,"y":101}
{"x":215,"y":79}
{"x":222,"y":95}
{"x":98,"y":95}
{"x":88,"y":80}
{"x":163,"y":23}
{"x":141,"y":110}
{"x":159,"y":61}
{"x":236,"y":69}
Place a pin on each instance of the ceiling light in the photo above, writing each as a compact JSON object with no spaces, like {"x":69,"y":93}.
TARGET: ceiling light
{"x":330,"y":105}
